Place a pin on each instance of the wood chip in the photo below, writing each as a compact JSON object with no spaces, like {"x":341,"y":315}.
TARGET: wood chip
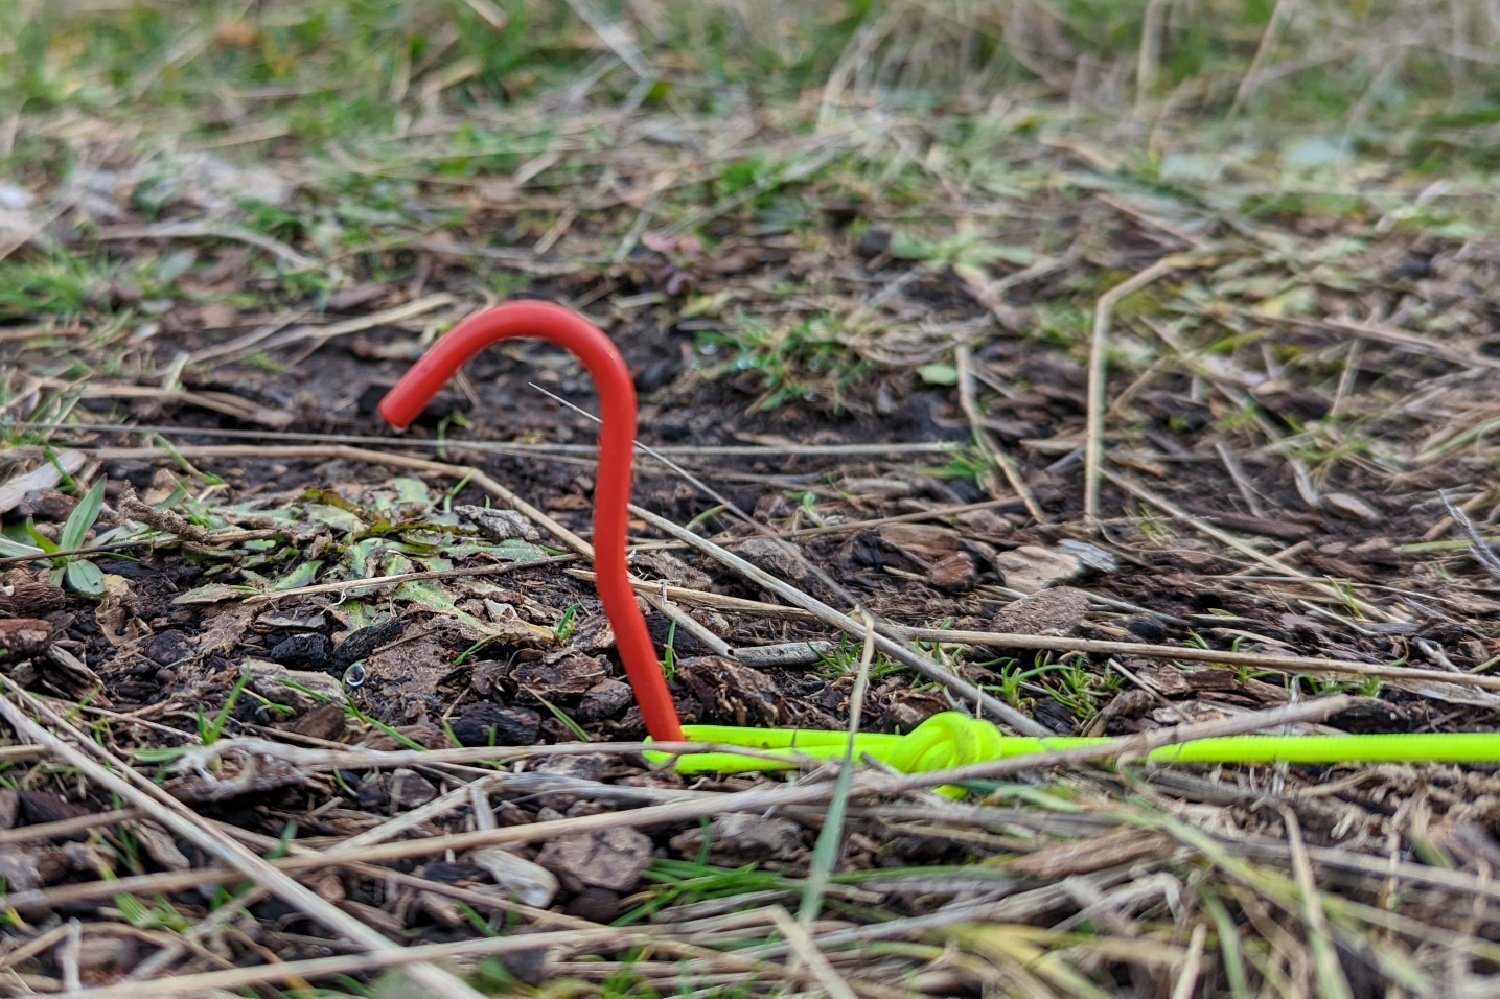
{"x":24,"y":637}
{"x":45,"y":476}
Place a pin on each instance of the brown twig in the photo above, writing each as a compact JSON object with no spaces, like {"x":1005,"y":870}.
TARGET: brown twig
{"x":985,"y":440}
{"x":1093,"y":458}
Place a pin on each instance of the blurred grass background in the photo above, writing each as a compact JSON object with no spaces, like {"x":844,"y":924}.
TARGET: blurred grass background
{"x":975,"y":132}
{"x":1416,"y":78}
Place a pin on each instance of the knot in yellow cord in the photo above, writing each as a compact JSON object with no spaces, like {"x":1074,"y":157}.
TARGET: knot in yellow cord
{"x":945,"y":740}
{"x":949,"y":739}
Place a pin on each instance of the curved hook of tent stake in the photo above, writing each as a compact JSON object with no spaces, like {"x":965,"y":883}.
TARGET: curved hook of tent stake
{"x":569,"y":330}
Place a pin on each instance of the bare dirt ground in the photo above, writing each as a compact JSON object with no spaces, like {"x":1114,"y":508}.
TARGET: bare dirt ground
{"x":1176,"y":424}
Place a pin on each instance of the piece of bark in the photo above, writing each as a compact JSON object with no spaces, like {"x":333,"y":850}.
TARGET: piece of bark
{"x":24,"y":595}
{"x":24,"y":637}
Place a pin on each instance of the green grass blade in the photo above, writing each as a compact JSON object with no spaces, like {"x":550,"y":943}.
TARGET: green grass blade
{"x":82,"y":519}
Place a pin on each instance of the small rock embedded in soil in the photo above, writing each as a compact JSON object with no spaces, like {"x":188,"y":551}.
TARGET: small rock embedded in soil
{"x":1031,"y":569}
{"x":374,"y":792}
{"x":368,"y":402}
{"x":873,"y":243}
{"x":303,"y":652}
{"x":1147,"y":629}
{"x":1057,"y":611}
{"x":597,"y":905}
{"x":774,"y":557}
{"x":410,"y":789}
{"x":446,"y":872}
{"x":613,"y":859}
{"x":167,"y":648}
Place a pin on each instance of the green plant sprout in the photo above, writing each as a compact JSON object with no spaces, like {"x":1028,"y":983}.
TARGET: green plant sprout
{"x":76,"y":571}
{"x":210,"y":730}
{"x":578,"y":731}
{"x":567,"y":623}
{"x":669,"y":653}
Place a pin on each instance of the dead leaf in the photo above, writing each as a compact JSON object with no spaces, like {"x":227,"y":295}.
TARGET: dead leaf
{"x":564,"y":675}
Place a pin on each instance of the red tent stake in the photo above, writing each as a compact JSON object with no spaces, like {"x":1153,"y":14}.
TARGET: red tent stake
{"x":570,"y":331}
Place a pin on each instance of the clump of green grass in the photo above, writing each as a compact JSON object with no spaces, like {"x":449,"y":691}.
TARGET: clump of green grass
{"x":76,"y":571}
{"x":808,"y":360}
{"x":53,"y":284}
